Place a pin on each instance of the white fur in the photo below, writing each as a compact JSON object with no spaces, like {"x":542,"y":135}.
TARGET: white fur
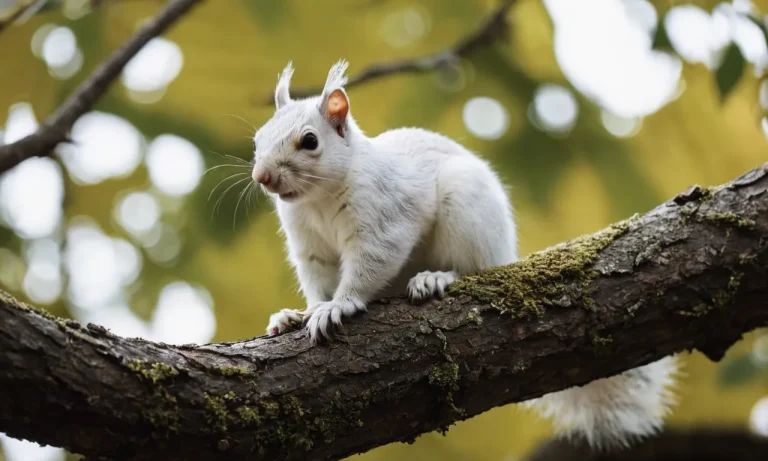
{"x":613,"y":412}
{"x":409,"y":211}
{"x":282,"y":96}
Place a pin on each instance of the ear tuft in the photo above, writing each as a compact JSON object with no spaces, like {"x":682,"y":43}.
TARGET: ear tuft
{"x":282,"y":93}
{"x":337,"y":76}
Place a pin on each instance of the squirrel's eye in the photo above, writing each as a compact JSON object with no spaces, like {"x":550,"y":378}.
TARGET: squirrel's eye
{"x":309,"y":141}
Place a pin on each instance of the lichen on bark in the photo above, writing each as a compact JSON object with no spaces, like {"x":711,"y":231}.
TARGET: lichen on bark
{"x":524,"y":288}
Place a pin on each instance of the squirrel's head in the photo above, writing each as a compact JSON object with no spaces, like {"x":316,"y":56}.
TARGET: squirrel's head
{"x":303,"y":152}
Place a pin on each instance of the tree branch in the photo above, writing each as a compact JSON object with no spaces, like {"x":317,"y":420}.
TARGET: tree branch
{"x":692,"y":273}
{"x":20,"y":12}
{"x":493,"y":28}
{"x":56,"y":128}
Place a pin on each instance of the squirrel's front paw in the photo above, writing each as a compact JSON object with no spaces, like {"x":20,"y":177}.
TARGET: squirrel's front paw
{"x":322,"y":315}
{"x":429,"y":284}
{"x":283,"y":320}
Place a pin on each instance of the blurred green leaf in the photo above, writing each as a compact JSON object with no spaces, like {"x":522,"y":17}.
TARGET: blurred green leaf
{"x":421,"y":103}
{"x":661,"y":39}
{"x":730,"y":71}
{"x":267,"y":13}
{"x":737,"y":371}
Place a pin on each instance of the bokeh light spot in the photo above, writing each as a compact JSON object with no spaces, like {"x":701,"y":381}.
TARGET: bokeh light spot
{"x":59,"y":47}
{"x":402,"y":27}
{"x":31,"y":197}
{"x":758,"y":418}
{"x":21,"y":122}
{"x":106,"y":146}
{"x":184,"y":315}
{"x":607,"y":56}
{"x":138,"y":213}
{"x":175,"y":165}
{"x":485,"y":118}
{"x":619,"y":126}
{"x":91,"y":261}
{"x":153,"y":68}
{"x":555,"y":108}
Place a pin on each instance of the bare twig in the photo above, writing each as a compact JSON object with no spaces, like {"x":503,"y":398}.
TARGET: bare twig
{"x":493,"y":28}
{"x":56,"y":128}
{"x":21,"y":12}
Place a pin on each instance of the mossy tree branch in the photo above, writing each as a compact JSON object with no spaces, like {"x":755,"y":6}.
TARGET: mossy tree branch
{"x":689,"y":274}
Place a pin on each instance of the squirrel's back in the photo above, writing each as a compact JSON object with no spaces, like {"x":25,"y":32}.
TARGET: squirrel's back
{"x":411,"y":141}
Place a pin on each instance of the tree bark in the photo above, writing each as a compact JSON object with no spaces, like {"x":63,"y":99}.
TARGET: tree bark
{"x":689,"y":274}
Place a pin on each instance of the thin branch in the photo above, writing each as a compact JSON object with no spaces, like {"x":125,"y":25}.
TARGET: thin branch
{"x":22,"y":11}
{"x":493,"y":28}
{"x":690,"y":274}
{"x":56,"y":128}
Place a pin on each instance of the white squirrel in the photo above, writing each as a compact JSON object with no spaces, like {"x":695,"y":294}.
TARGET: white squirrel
{"x":410,"y":211}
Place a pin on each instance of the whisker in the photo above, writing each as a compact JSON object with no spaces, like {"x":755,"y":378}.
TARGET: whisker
{"x":248,"y":196}
{"x":318,"y":177}
{"x":221,"y":198}
{"x":220,"y":166}
{"x":222,"y":181}
{"x":249,"y":128}
{"x":250,"y":125}
{"x":237,"y":159}
{"x":317,"y":185}
{"x":237,"y":205}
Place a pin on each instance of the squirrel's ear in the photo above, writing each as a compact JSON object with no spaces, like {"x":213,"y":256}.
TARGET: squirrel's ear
{"x":282,"y":93}
{"x":334,"y":104}
{"x":335,"y":109}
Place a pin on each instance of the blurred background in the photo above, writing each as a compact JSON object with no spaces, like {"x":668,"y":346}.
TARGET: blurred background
{"x":591,"y":111}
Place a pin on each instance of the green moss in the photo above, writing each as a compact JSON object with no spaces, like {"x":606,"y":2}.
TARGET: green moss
{"x":645,"y":255}
{"x":730,"y":219}
{"x":599,"y":340}
{"x":446,"y":378}
{"x":249,"y":415}
{"x":282,"y":423}
{"x":474,"y":316}
{"x":721,"y":299}
{"x":341,"y":414}
{"x":156,"y":372}
{"x":162,"y":412}
{"x":520,"y":366}
{"x":523,"y":288}
{"x":9,"y":300}
{"x":216,"y":412}
{"x":445,"y":375}
{"x":698,"y":310}
{"x":66,"y":325}
{"x":724,"y":298}
{"x":233,"y":371}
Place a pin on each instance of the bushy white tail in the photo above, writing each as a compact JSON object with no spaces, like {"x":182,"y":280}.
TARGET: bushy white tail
{"x":612,"y":412}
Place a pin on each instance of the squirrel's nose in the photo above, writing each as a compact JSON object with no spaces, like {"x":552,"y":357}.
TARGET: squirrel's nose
{"x":262,"y":176}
